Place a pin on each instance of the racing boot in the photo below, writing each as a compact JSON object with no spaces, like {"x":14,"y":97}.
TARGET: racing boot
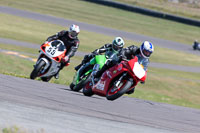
{"x":77,"y":67}
{"x":100,"y":72}
{"x":130,"y":91}
{"x":57,"y":75}
{"x":61,"y":67}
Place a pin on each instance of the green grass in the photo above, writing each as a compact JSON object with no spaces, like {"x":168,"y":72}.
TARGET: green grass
{"x":16,"y":129}
{"x":13,"y":129}
{"x":174,"y":87}
{"x":18,"y":48}
{"x":110,"y":17}
{"x":164,"y":55}
{"x":184,"y":8}
{"x":41,"y":31}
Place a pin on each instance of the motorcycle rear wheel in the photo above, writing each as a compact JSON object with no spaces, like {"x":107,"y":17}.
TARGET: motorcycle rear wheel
{"x":118,"y":92}
{"x":36,"y":71}
{"x":46,"y":79}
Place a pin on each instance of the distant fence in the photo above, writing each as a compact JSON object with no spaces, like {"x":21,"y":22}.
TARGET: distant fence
{"x":147,"y":12}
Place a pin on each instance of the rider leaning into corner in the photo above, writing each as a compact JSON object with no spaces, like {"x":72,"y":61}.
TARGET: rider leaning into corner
{"x":116,"y":46}
{"x":143,"y":53}
{"x":71,"y":41}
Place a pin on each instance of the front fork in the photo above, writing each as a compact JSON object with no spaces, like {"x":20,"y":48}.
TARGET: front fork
{"x":47,"y":64}
{"x":79,"y":72}
{"x":120,"y":79}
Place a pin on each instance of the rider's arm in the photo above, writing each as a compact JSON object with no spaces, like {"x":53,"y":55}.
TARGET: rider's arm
{"x":129,"y":52}
{"x":133,"y":50}
{"x":102,"y":49}
{"x":73,"y":49}
{"x":96,"y":52}
{"x":56,"y":36}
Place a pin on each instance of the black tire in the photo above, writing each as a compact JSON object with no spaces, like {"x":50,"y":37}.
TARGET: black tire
{"x":46,"y":79}
{"x":119,"y":93}
{"x":71,"y":86}
{"x":37,"y":69}
{"x":87,"y":90}
{"x":81,"y":84}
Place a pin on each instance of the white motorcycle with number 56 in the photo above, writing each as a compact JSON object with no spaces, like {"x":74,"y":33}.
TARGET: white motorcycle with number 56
{"x":49,"y":60}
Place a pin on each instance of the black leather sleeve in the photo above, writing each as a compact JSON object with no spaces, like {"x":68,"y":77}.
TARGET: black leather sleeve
{"x":102,"y":49}
{"x":129,"y":51}
{"x":73,"y":49}
{"x":53,"y":37}
{"x":56,"y":36}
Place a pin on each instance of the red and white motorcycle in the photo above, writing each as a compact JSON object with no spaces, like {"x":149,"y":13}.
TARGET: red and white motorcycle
{"x":117,"y":80}
{"x":49,"y":60}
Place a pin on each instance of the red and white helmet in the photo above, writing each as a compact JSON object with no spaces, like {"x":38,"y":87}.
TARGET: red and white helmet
{"x":73,"y":31}
{"x":146,"y":49}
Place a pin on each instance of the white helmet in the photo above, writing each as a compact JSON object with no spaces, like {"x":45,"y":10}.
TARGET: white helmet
{"x":146,"y":49}
{"x":73,"y":31}
{"x":117,"y":44}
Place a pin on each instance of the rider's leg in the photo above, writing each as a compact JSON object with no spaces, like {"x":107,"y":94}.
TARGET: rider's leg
{"x":101,"y":71}
{"x":61,"y":67}
{"x":85,"y":60}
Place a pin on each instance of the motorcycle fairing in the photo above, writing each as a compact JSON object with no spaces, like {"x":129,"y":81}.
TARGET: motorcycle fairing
{"x":137,"y":69}
{"x":53,"y":59}
{"x":54,"y":50}
{"x":52,"y":66}
{"x":103,"y":84}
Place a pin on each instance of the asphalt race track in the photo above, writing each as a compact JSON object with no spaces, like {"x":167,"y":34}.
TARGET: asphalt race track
{"x":35,"y":105}
{"x":38,"y":105}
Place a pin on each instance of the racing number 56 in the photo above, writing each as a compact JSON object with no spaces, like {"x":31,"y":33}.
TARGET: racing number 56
{"x":51,"y":51}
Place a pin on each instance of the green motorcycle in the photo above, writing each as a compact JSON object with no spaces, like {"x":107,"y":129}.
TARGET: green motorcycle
{"x":83,"y":75}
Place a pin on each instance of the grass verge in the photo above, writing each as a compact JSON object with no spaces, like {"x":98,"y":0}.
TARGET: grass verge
{"x":40,"y":31}
{"x":110,"y":17}
{"x":168,"y":86}
{"x":186,"y":8}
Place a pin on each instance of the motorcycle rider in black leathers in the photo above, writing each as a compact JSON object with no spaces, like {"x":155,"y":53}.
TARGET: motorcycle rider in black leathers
{"x":115,"y":48}
{"x":143,"y":53}
{"x":71,"y":41}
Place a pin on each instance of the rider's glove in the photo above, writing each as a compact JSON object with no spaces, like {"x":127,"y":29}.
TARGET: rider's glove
{"x":121,"y":57}
{"x":89,"y":56}
{"x":65,"y":59}
{"x":95,"y":52}
{"x":50,"y":39}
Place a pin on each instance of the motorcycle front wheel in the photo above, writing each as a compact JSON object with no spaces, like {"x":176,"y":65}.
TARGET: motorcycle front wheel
{"x":87,"y":90}
{"x":36,"y":71}
{"x":114,"y":92}
{"x":82,"y":83}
